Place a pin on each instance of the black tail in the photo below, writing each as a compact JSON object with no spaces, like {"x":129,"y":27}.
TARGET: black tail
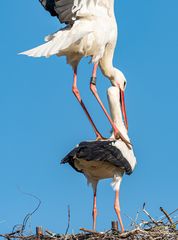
{"x":49,"y":5}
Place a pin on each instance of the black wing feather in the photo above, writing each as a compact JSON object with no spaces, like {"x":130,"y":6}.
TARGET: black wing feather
{"x":49,"y":5}
{"x":62,"y":9}
{"x":98,"y":151}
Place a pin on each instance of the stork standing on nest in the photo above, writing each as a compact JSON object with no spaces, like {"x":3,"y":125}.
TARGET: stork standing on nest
{"x":91,"y":31}
{"x":105,"y":159}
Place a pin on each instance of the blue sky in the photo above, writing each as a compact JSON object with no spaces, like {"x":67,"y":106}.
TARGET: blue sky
{"x":41,"y":120}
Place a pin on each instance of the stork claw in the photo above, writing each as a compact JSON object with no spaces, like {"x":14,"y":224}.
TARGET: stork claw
{"x":118,"y":135}
{"x":101,"y":138}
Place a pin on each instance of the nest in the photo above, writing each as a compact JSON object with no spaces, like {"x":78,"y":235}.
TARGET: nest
{"x":155,"y":233}
{"x":163,"y":229}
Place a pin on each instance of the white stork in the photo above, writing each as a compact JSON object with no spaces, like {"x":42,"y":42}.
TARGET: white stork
{"x":105,"y":159}
{"x":91,"y":30}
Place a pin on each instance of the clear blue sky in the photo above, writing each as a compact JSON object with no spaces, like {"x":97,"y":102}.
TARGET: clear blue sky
{"x":41,"y":120}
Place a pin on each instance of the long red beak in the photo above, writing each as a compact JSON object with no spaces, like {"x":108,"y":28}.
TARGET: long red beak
{"x":123,"y":108}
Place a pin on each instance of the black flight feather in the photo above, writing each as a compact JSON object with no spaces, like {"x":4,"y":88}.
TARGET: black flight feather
{"x":49,"y":5}
{"x":98,"y":151}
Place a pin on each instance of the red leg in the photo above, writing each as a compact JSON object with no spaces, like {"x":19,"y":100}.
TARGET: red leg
{"x":94,"y":212}
{"x":117,"y":209}
{"x":117,"y":133}
{"x":77,"y":95}
{"x":124,"y":109}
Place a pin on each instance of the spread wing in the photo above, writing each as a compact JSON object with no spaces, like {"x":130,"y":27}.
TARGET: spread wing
{"x":68,"y":11}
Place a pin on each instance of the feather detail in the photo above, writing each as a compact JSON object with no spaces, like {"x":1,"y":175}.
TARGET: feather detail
{"x":59,"y":41}
{"x":49,"y":6}
{"x":116,"y":182}
{"x":101,"y":151}
{"x":68,"y":11}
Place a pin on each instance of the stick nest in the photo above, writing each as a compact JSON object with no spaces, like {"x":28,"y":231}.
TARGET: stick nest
{"x":163,"y":229}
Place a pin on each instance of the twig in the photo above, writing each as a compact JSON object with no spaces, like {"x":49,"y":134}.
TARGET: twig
{"x":89,"y":231}
{"x":150,"y":217}
{"x":137,"y":215}
{"x":27,"y":217}
{"x":133,"y":222}
{"x":68,"y":225}
{"x":167,"y":215}
{"x":170,"y":213}
{"x":50,"y":233}
{"x":14,"y":236}
{"x":135,"y":231}
{"x":176,"y":223}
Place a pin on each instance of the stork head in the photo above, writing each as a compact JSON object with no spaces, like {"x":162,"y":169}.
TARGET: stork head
{"x":118,"y":79}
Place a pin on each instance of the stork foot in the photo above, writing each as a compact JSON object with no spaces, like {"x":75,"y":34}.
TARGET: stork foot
{"x":101,"y":138}
{"x":118,"y":135}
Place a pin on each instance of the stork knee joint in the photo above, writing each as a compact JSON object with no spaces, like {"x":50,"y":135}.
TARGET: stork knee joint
{"x":117,"y":209}
{"x":93,"y":80}
{"x":93,"y":87}
{"x":94,"y":213}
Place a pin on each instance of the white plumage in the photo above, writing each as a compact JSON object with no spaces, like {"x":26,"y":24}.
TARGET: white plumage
{"x":91,"y":31}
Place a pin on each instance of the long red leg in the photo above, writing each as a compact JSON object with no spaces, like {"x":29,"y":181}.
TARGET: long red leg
{"x":77,"y":95}
{"x":117,"y":210}
{"x":123,"y":108}
{"x":117,"y":133}
{"x":94,"y":212}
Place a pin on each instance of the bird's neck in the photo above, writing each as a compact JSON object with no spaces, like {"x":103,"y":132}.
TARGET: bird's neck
{"x":115,"y":109}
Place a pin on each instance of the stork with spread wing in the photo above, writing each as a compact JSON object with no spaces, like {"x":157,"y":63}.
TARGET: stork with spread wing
{"x":91,"y":30}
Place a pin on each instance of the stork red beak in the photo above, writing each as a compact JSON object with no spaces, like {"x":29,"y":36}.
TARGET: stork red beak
{"x":123,"y":108}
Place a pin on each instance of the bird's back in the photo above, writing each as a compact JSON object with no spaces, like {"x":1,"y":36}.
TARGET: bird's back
{"x":98,"y":153}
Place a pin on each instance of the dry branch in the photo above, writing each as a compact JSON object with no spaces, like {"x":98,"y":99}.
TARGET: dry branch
{"x":151,"y":218}
{"x":167,"y":215}
{"x":68,"y":224}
